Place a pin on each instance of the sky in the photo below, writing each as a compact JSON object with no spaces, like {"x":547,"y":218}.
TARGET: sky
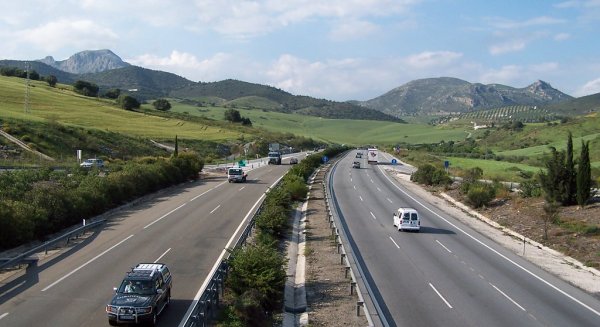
{"x":332,"y":49}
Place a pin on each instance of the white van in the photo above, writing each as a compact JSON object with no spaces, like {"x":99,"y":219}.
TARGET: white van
{"x":407,"y":219}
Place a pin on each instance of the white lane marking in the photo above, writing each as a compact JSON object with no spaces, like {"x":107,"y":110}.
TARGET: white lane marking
{"x":396,"y":244}
{"x":440,"y":295}
{"x":378,"y":189}
{"x":85,"y":264}
{"x":162,"y":255}
{"x":217,"y":263}
{"x":508,"y":297}
{"x":389,"y":200}
{"x":440,"y":243}
{"x":4,"y":315}
{"x":498,"y":253}
{"x":354,"y":187}
{"x":163,"y":216}
{"x":243,"y":187}
{"x":372,"y":215}
{"x":215,"y":209}
{"x":361,"y":199}
{"x":350,"y":180}
{"x":372,"y":181}
{"x":197,"y":196}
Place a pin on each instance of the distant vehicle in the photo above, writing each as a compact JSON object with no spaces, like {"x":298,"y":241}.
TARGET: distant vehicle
{"x":407,"y":219}
{"x":236,"y":174}
{"x":359,"y":155}
{"x":89,"y":163}
{"x":274,"y":158}
{"x":372,"y":156}
{"x":293,"y":160}
{"x":143,"y":294}
{"x":356,"y":164}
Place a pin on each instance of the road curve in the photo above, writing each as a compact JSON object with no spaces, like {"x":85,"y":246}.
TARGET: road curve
{"x":448,"y":274}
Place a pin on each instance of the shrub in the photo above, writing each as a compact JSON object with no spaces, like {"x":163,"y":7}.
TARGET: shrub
{"x":530,"y":189}
{"x":429,"y":175}
{"x":272,"y":220}
{"x":296,"y":187}
{"x":260,"y":268}
{"x":480,"y":194}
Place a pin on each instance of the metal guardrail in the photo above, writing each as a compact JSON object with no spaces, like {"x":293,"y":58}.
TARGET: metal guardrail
{"x":25,"y":256}
{"x":205,"y":309}
{"x":348,"y":258}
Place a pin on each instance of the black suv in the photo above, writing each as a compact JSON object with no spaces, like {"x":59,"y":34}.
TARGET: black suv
{"x":143,"y":294}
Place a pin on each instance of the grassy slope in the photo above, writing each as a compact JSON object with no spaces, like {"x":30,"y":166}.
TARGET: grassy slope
{"x":343,"y":131}
{"x":61,"y":105}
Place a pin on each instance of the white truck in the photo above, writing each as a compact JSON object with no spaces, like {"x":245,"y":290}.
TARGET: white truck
{"x":236,"y":174}
{"x":372,"y":156}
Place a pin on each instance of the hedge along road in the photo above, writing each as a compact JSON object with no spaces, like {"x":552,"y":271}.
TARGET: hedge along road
{"x":187,"y":227}
{"x":447,"y":274}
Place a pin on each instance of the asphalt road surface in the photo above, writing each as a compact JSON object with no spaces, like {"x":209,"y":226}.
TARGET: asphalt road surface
{"x":447,"y":274}
{"x":186,"y":227}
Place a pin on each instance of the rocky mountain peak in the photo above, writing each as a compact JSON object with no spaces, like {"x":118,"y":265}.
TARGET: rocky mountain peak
{"x":89,"y":61}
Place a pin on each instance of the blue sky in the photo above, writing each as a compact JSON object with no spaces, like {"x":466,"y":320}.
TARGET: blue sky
{"x":336,"y":49}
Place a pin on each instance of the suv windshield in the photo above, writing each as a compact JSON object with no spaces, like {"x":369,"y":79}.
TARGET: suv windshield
{"x":235,"y":171}
{"x":141,"y":287}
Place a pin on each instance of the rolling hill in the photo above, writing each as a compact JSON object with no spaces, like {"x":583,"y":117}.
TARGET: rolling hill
{"x":446,"y":95}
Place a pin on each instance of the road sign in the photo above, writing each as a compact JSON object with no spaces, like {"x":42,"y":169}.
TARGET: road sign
{"x":394,"y":162}
{"x":242,"y":163}
{"x":325,"y":159}
{"x":446,"y":164}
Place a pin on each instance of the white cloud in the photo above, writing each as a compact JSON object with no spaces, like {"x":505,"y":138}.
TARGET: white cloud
{"x":562,"y":36}
{"x":508,"y":46}
{"x":430,"y":59}
{"x":503,"y":23}
{"x":79,"y":33}
{"x":353,"y":29}
{"x":591,"y":87}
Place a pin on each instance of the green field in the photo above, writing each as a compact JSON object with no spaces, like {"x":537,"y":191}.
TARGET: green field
{"x":492,"y":169}
{"x":62,"y":105}
{"x":341,"y":131}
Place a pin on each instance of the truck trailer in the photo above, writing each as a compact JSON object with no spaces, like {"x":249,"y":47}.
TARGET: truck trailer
{"x":372,"y":156}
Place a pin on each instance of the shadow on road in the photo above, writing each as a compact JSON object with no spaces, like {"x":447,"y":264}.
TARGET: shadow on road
{"x":433,"y":230}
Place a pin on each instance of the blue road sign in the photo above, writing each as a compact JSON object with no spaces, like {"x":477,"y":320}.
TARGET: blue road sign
{"x":394,"y":162}
{"x":325,"y":159}
{"x":446,"y":164}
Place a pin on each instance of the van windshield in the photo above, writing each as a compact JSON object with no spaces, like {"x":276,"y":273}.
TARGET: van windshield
{"x":235,"y":171}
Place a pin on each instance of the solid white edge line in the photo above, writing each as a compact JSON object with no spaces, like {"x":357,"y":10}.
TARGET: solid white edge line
{"x":162,"y":255}
{"x":215,"y":209}
{"x":372,"y":215}
{"x":4,"y":315}
{"x":498,"y":253}
{"x":508,"y":297}
{"x":396,"y":244}
{"x":389,"y":200}
{"x":440,"y":295}
{"x":163,"y":216}
{"x":85,"y":264}
{"x":440,"y":243}
{"x":217,"y":263}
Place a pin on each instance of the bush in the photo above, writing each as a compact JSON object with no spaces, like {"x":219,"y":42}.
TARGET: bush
{"x":260,"y":268}
{"x":429,"y":175}
{"x":530,"y":189}
{"x":480,"y":194}
{"x":296,"y":186}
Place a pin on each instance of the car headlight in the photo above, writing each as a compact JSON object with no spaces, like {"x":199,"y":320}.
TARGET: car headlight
{"x":144,"y":310}
{"x":111,"y":309}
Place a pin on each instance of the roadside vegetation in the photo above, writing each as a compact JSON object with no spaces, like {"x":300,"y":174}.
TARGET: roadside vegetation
{"x":256,"y":278}
{"x":36,"y":203}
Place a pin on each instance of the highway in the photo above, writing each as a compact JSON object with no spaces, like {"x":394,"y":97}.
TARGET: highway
{"x":447,"y":274}
{"x":187,"y":227}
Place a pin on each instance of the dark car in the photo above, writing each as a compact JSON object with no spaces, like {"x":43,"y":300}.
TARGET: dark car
{"x":356,"y":164}
{"x":143,"y":294}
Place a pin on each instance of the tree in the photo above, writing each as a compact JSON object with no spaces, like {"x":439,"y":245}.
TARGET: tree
{"x":112,"y":93}
{"x":51,"y":80}
{"x":162,"y":104}
{"x":246,"y":121}
{"x":551,"y":209}
{"x":33,"y":75}
{"x":128,"y":102}
{"x":584,"y":175}
{"x":553,"y":180}
{"x":176,"y":152}
{"x":233,"y":115}
{"x":86,"y":88}
{"x":570,"y":175}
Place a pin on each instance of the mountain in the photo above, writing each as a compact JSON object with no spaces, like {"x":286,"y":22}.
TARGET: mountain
{"x":89,"y":61}
{"x":445,"y":95}
{"x":580,"y":106}
{"x":42,"y":69}
{"x":240,"y":94}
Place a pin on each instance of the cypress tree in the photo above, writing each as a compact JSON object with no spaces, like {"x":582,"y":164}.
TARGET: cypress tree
{"x":570,"y":182}
{"x":553,"y":180}
{"x":584,"y":175}
{"x":176,"y":152}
